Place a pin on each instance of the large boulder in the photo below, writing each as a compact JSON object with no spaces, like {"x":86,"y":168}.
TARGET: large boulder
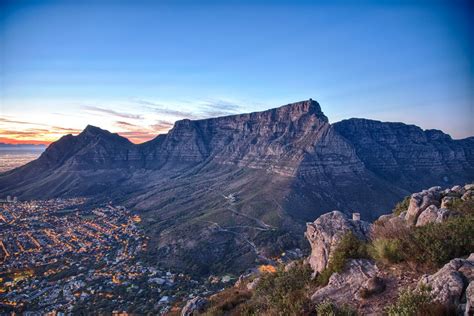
{"x":194,"y":306}
{"x":421,"y":201}
{"x":433,"y":214}
{"x":325,"y":233}
{"x":449,"y":283}
{"x":469,"y":309}
{"x":346,"y":286}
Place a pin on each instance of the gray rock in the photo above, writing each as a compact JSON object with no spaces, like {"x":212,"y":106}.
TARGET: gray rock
{"x":469,"y":187}
{"x":325,"y":233}
{"x":448,"y":284}
{"x":372,"y":286}
{"x":253,"y":284}
{"x":421,"y":201}
{"x":434,"y":215}
{"x":468,"y":195}
{"x":194,"y":306}
{"x":345,"y":286}
{"x":469,"y":309}
{"x":458,"y":189}
{"x":446,"y":201}
{"x":429,"y":215}
{"x":385,"y":217}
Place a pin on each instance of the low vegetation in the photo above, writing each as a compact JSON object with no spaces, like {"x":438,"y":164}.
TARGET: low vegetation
{"x":417,"y":303}
{"x":283,"y":292}
{"x":328,"y":308}
{"x":386,"y":250}
{"x":401,"y":206}
{"x":431,"y":245}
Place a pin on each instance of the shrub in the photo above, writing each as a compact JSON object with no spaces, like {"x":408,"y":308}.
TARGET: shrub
{"x":327,"y":308}
{"x":389,"y":230}
{"x":437,"y":243}
{"x":386,"y":250}
{"x":464,"y":207}
{"x":418,"y":303}
{"x":227,"y":301}
{"x":349,"y":247}
{"x":401,"y":206}
{"x":409,"y":302}
{"x":283,"y":292}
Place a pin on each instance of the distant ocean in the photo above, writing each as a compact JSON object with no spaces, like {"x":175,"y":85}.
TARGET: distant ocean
{"x":12,"y":158}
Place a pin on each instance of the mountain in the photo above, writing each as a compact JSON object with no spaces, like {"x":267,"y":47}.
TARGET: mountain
{"x":218,"y":194}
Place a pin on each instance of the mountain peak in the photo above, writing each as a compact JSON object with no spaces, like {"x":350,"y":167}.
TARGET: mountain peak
{"x":91,"y":129}
{"x":305,"y":107}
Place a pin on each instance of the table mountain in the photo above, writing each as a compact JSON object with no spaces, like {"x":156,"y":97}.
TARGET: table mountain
{"x":218,"y":194}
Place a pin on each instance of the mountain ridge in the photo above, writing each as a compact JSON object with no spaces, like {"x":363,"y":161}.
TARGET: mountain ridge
{"x":284,"y":166}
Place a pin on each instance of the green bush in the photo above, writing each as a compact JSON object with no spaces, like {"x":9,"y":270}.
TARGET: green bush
{"x":464,"y":207}
{"x":437,"y":243}
{"x":386,"y":250}
{"x":401,"y":206}
{"x":327,"y":308}
{"x":349,"y":247}
{"x":284,"y":292}
{"x":410,"y":303}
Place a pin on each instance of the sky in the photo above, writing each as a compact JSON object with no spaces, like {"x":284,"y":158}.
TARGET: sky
{"x":135,"y":67}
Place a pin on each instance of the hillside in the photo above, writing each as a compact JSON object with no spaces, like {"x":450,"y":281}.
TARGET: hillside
{"x":419,"y":260}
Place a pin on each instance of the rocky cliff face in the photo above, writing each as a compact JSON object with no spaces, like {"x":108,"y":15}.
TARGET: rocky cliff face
{"x":408,"y":156}
{"x":284,"y":167}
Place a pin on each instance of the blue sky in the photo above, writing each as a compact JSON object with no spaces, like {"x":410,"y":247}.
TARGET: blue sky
{"x":134,"y":67}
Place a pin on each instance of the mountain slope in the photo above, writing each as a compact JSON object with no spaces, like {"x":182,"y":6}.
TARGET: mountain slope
{"x":220,"y":193}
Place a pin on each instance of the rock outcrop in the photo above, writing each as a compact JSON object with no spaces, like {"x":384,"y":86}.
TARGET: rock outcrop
{"x":345,"y":287}
{"x":434,"y":205}
{"x":194,"y":306}
{"x":325,"y":233}
{"x":448,"y":285}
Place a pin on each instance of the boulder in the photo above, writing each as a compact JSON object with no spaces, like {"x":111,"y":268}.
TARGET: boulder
{"x":469,"y":309}
{"x":429,"y":215}
{"x":253,"y":284}
{"x":447,"y":201}
{"x":458,"y":189}
{"x":345,"y":286}
{"x":421,"y":201}
{"x":432,"y":214}
{"x":448,"y":284}
{"x":468,"y":195}
{"x":469,"y":187}
{"x":194,"y":306}
{"x":372,"y":286}
{"x":325,"y":233}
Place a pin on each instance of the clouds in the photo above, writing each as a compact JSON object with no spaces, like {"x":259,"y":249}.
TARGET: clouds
{"x":107,"y":111}
{"x":137,"y":119}
{"x":198,"y":109}
{"x":139,"y":133}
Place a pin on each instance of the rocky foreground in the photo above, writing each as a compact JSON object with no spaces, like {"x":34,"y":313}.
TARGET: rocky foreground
{"x":419,"y":260}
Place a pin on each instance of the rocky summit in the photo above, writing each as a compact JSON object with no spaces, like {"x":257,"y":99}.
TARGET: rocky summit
{"x":220,"y":194}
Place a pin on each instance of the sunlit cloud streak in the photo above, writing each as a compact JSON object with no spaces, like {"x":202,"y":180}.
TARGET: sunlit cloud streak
{"x":111,"y":112}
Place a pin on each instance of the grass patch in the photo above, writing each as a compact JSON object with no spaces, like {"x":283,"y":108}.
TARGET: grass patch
{"x":386,"y":250}
{"x":401,"y":206}
{"x":327,"y":308}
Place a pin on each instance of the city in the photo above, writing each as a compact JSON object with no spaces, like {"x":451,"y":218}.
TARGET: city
{"x":63,"y":255}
